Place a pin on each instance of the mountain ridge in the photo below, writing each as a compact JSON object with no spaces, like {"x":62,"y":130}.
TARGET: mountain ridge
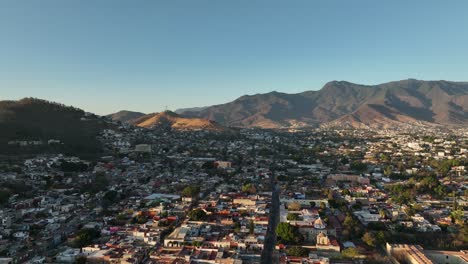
{"x":439,"y":102}
{"x":125,"y":115}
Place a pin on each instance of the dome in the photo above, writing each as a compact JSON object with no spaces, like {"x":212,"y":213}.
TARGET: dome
{"x":319,"y":224}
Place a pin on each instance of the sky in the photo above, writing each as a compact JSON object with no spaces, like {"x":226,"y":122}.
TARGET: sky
{"x":107,"y":55}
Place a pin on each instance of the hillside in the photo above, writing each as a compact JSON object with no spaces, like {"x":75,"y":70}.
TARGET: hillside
{"x":437,"y":102}
{"x":125,"y":116}
{"x":181,"y":111}
{"x":172,"y":120}
{"x":33,"y":119}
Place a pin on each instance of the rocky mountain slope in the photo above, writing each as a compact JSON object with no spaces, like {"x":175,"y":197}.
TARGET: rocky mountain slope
{"x":339,"y":102}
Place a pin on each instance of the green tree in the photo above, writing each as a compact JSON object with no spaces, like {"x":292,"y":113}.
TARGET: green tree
{"x":249,"y":188}
{"x":358,"y":166}
{"x":350,"y":253}
{"x":457,"y":216}
{"x":140,"y":219}
{"x":4,"y":196}
{"x":288,"y":234}
{"x":369,"y":239}
{"x":292,"y":217}
{"x":251,"y":227}
{"x":191,"y":191}
{"x":297,"y":251}
{"x":85,"y":237}
{"x":197,"y":214}
{"x":380,"y":238}
{"x":388,"y":170}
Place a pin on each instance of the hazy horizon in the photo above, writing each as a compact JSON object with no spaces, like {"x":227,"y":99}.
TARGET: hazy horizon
{"x":108,"y":56}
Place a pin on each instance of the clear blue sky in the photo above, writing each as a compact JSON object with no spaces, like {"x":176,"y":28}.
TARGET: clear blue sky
{"x":109,"y":55}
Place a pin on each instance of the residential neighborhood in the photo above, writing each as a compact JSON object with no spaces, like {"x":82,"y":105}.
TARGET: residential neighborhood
{"x":203,"y":197}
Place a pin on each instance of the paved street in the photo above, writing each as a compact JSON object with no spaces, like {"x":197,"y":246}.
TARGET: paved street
{"x":268,"y":254}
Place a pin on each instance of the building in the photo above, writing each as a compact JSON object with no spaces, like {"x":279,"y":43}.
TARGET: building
{"x":326,"y":244}
{"x":412,"y":254}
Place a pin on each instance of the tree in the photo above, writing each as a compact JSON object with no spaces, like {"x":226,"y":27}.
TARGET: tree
{"x":80,"y":260}
{"x":237,"y":226}
{"x":209,"y":165}
{"x":350,"y":253}
{"x":140,"y":219}
{"x":457,"y":216}
{"x":358,"y":166}
{"x":351,"y":226}
{"x":369,"y":239}
{"x":292,"y":217}
{"x":110,"y":198}
{"x":388,"y":171}
{"x":294,"y":206}
{"x":382,"y":213}
{"x":349,"y":221}
{"x":297,"y":251}
{"x":191,"y":191}
{"x":380,"y":238}
{"x":249,"y":188}
{"x":323,"y":206}
{"x":197,"y":214}
{"x":4,"y":196}
{"x":288,"y":234}
{"x":251,"y":227}
{"x":85,"y":237}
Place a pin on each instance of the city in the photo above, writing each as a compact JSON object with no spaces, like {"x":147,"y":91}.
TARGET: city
{"x":343,"y":195}
{"x":233,"y":132}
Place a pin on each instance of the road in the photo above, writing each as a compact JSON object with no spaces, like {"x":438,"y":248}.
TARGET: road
{"x":269,"y":254}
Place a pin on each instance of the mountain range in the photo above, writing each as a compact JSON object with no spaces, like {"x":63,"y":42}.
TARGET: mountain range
{"x":341,"y":102}
{"x":337,"y":103}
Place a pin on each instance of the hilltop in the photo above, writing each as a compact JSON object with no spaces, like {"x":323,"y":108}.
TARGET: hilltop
{"x":32,"y":119}
{"x":125,"y":116}
{"x":168,"y":119}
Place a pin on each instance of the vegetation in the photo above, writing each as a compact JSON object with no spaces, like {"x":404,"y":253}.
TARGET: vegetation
{"x":288,"y":234}
{"x":294,"y":206}
{"x":191,"y":191}
{"x":72,"y":166}
{"x":4,"y":196}
{"x":197,"y":215}
{"x":369,"y":239}
{"x":404,"y":193}
{"x":297,"y":251}
{"x":358,"y":166}
{"x":251,"y":227}
{"x":35,"y":119}
{"x":249,"y":188}
{"x":85,"y":237}
{"x":350,"y":253}
{"x":292,"y":217}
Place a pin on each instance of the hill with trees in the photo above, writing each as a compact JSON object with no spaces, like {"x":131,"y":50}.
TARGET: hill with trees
{"x":34,"y":120}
